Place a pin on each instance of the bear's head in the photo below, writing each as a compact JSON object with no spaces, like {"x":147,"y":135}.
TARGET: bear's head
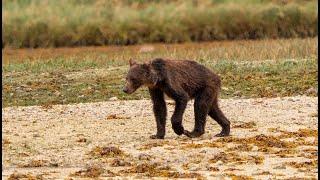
{"x":139,"y":75}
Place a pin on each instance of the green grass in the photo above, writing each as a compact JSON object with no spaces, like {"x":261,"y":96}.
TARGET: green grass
{"x":264,"y":68}
{"x":46,"y":23}
{"x":65,"y":81}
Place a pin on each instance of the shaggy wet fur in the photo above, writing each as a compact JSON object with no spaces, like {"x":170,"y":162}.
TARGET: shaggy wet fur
{"x":181,"y":81}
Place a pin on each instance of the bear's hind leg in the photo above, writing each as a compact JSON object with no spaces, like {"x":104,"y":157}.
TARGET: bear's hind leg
{"x":218,"y":116}
{"x":202,"y":104}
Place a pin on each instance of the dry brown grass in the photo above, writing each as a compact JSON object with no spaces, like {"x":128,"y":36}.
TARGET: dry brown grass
{"x":242,"y":50}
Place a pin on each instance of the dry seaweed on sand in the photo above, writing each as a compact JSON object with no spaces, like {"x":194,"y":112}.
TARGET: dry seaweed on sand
{"x":246,"y":125}
{"x":235,"y":158}
{"x":299,"y":133}
{"x":15,"y":176}
{"x":90,"y":172}
{"x":153,"y":170}
{"x":109,"y":151}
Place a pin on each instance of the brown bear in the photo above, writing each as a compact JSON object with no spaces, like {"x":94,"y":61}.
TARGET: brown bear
{"x":181,"y":80}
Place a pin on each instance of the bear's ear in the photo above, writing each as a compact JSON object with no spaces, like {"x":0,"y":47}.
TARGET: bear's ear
{"x":132,"y":62}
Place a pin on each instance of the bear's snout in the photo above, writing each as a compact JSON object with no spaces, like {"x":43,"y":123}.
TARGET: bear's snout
{"x":125,"y":90}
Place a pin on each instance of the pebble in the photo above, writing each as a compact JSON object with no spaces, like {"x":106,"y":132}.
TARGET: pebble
{"x":113,"y":99}
{"x":291,"y":99}
{"x":144,"y":157}
{"x":280,"y":167}
{"x":237,"y":93}
{"x":311,"y":91}
{"x":36,"y":135}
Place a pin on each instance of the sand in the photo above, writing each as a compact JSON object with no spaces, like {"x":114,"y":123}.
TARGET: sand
{"x":56,"y":142}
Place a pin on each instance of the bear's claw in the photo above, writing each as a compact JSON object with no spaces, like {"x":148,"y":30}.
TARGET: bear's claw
{"x":222,"y":134}
{"x":192,"y":134}
{"x":156,"y":137}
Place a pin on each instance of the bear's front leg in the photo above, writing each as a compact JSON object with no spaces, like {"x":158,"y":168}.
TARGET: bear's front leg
{"x":160,"y":112}
{"x":176,"y":118}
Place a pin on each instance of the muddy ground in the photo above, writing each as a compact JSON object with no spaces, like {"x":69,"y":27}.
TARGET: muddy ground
{"x":270,"y":138}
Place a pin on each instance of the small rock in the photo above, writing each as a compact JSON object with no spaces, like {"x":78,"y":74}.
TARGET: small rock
{"x":54,"y":164}
{"x":258,"y":101}
{"x":36,"y":135}
{"x":118,"y":162}
{"x":209,"y":168}
{"x":194,"y":169}
{"x":225,"y":88}
{"x":291,"y":99}
{"x":82,"y":140}
{"x":146,"y":49}
{"x":311,"y":91}
{"x":315,"y":114}
{"x":113,"y":99}
{"x":237,"y":93}
{"x":255,"y":148}
{"x":280,"y":167}
{"x":28,"y":89}
{"x":57,"y":93}
{"x":144,"y":157}
{"x":203,"y":151}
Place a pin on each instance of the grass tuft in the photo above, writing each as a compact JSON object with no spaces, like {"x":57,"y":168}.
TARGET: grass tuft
{"x":248,"y":69}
